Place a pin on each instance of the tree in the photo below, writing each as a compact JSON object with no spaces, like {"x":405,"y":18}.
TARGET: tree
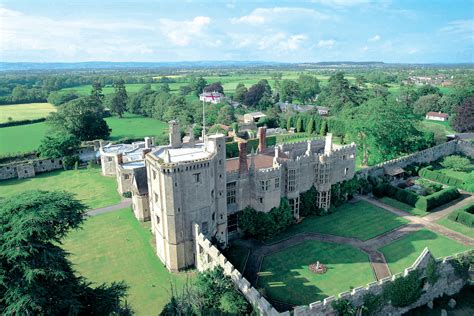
{"x":339,"y":93}
{"x":289,"y":122}
{"x":59,"y":145}
{"x":36,"y":276}
{"x":426,"y":90}
{"x":310,"y":126}
{"x":96,"y":97}
{"x":59,"y":97}
{"x":240,"y":92}
{"x":455,"y":162}
{"x":426,"y":103}
{"x":289,"y":90}
{"x":308,"y":88}
{"x":324,"y":128}
{"x":120,"y":98}
{"x":214,"y":87}
{"x":185,"y":90}
{"x":259,"y":95}
{"x":299,"y":125}
{"x":464,"y":120}
{"x":226,"y":115}
{"x":79,"y":119}
{"x":198,"y":85}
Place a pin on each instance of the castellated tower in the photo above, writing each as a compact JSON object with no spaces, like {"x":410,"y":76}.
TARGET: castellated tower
{"x":186,"y":185}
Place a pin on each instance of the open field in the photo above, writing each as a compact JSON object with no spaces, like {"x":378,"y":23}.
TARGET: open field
{"x":402,"y":253}
{"x":28,"y":137}
{"x":402,"y":206}
{"x":440,"y":129}
{"x":89,"y":185}
{"x":114,"y":247}
{"x":457,"y":227}
{"x":25,"y":111}
{"x":285,"y":275}
{"x":360,"y":220}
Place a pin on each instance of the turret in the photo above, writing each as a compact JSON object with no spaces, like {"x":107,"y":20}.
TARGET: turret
{"x":175,"y":134}
{"x":328,"y":144}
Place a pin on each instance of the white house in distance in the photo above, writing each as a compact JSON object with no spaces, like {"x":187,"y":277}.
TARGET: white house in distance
{"x":437,"y":116}
{"x":213,"y":97}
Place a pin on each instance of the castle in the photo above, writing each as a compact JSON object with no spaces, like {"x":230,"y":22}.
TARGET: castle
{"x":184,"y":183}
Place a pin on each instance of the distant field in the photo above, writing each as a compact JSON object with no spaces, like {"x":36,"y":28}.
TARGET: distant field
{"x":25,"y":111}
{"x":89,"y":185}
{"x":114,"y":247}
{"x":28,"y":137}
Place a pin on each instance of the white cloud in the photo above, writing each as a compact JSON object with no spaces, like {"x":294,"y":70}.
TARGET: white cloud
{"x":181,"y":33}
{"x":462,"y":29}
{"x":326,"y":43}
{"x":341,"y":3}
{"x":264,"y":15}
{"x":374,"y":38}
{"x":277,"y":41}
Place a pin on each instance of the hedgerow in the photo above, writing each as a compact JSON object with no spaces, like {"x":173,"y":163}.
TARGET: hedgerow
{"x":439,"y":177}
{"x":464,"y":216}
{"x":428,"y":203}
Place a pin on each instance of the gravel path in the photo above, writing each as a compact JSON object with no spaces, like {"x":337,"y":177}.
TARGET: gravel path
{"x":123,"y":204}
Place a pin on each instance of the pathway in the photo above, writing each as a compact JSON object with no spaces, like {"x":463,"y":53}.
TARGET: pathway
{"x":123,"y":204}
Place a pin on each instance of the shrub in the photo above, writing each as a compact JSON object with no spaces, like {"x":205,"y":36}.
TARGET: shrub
{"x":372,"y":304}
{"x":308,"y":203}
{"x":402,"y":195}
{"x":432,"y":274}
{"x":428,"y":203}
{"x":22,"y":122}
{"x":461,"y":265}
{"x":404,"y":291}
{"x":455,"y":162}
{"x":464,"y":216}
{"x":344,"y":307}
{"x":439,"y":177}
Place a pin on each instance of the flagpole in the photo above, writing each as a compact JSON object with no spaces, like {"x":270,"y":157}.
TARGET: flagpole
{"x":203,"y":121}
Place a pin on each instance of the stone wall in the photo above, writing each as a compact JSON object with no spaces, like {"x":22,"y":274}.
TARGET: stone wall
{"x":448,"y":284}
{"x":424,"y":156}
{"x":28,"y":169}
{"x":208,"y":257}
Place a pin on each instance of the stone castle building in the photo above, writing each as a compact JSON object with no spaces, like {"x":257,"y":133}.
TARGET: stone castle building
{"x":180,"y":184}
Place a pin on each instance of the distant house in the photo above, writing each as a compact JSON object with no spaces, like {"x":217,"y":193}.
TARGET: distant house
{"x":437,"y":116}
{"x":253,"y":117}
{"x":323,"y":110}
{"x":213,"y":97}
{"x":285,"y":106}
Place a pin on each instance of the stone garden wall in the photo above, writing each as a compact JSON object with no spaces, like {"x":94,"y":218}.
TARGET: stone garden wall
{"x":448,"y":284}
{"x":28,"y":169}
{"x":424,"y":156}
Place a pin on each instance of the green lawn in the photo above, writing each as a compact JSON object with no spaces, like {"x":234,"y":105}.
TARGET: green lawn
{"x":25,"y":111}
{"x":461,"y":175}
{"x":360,"y":220}
{"x":89,"y":186}
{"x":285,"y":275}
{"x":402,"y":206}
{"x":114,"y":247}
{"x":28,"y":137}
{"x":457,"y":227}
{"x":403,"y":252}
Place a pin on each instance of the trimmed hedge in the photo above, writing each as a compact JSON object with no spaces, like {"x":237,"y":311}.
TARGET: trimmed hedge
{"x":428,"y":203}
{"x":22,"y":122}
{"x":442,"y":178}
{"x":424,"y":203}
{"x":464,"y":216}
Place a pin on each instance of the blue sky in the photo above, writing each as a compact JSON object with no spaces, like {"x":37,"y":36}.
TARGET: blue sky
{"x":286,"y":31}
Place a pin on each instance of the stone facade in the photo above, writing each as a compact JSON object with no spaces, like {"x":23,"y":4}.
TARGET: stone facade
{"x":29,"y":169}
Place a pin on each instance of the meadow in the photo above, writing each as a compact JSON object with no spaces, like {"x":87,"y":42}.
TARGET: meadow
{"x":115,"y":247}
{"x":25,"y":111}
{"x":25,"y":138}
{"x":89,"y":186}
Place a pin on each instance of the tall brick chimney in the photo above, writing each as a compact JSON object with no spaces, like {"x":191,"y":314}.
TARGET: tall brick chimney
{"x":243,"y":167}
{"x":262,"y":139}
{"x":119,"y":158}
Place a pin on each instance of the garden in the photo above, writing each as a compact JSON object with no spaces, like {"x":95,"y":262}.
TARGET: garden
{"x":461,"y":220}
{"x":286,"y":275}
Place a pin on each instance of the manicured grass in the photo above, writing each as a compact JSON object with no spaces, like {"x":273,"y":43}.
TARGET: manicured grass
{"x":132,"y":126}
{"x":114,"y":247}
{"x":457,"y":227}
{"x":89,"y":185}
{"x":25,"y":111}
{"x":285,"y":275}
{"x":402,"y":206}
{"x":360,"y":220}
{"x":21,"y":138}
{"x":461,"y":175}
{"x":28,"y":137}
{"x":403,"y":252}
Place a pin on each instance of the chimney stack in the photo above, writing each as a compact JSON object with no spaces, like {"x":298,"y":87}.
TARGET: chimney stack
{"x":243,"y":167}
{"x":119,"y":158}
{"x":328,"y":144}
{"x":145,"y":151}
{"x":262,"y":139}
{"x":148,"y":142}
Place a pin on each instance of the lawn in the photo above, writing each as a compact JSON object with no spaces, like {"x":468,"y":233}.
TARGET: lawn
{"x":28,"y":137}
{"x":285,"y":275}
{"x":360,"y":220}
{"x":402,"y":206}
{"x":89,"y":185}
{"x":25,"y":111}
{"x":457,"y":227}
{"x":114,"y":247}
{"x":403,"y":252}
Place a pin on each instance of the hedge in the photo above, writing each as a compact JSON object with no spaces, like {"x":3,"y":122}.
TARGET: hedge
{"x":442,"y":178}
{"x":464,"y":216}
{"x":402,"y":195}
{"x":428,"y":203}
{"x":22,"y":122}
{"x":232,"y":148}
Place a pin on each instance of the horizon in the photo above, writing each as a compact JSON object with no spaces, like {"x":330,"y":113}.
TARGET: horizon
{"x":393,"y":32}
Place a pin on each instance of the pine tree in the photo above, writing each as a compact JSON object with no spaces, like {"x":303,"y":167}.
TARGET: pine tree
{"x":288,"y":123}
{"x":324,"y":128}
{"x":310,"y":126}
{"x":299,"y":125}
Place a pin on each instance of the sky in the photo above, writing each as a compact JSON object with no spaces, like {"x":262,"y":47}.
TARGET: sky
{"x":396,"y":31}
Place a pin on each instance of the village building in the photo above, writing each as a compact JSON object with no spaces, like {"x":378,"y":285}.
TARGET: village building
{"x":213,"y":97}
{"x":253,"y":117}
{"x":182,"y":184}
{"x":437,"y":116}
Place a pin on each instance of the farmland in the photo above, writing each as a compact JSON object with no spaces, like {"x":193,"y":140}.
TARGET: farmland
{"x":25,"y":111}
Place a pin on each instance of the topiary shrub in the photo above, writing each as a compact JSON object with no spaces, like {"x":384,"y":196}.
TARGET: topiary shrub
{"x":464,"y":216}
{"x":428,"y":203}
{"x":404,"y":291}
